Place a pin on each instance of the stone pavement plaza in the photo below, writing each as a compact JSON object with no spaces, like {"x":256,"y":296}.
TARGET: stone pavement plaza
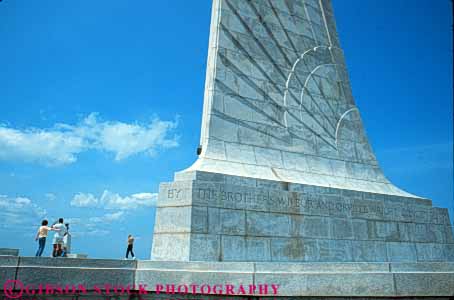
{"x":286,"y":189}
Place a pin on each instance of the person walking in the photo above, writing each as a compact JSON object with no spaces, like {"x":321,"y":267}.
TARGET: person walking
{"x":58,"y":237}
{"x":130,"y":246}
{"x":41,"y":236}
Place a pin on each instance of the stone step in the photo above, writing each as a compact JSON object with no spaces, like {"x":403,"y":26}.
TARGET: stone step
{"x":293,"y":279}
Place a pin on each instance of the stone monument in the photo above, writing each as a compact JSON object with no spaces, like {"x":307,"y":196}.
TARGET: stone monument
{"x":285,"y":171}
{"x":286,"y":190}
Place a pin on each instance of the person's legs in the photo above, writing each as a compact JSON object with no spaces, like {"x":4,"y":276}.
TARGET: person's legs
{"x":59,"y":249}
{"x":39,"y":248}
{"x":64,"y":251}
{"x":129,"y":249}
{"x":54,"y":252}
{"x":39,"y":251}
{"x":42,"y":244}
{"x":132,"y":253}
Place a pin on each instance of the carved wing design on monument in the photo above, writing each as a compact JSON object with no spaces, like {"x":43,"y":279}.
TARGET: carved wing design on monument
{"x":282,"y":75}
{"x":278,"y":95}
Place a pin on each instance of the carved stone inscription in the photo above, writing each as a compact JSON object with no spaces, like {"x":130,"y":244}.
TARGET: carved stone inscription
{"x":174,"y":193}
{"x":293,"y":202}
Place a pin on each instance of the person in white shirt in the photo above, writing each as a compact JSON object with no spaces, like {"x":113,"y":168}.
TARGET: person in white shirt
{"x":58,"y":238}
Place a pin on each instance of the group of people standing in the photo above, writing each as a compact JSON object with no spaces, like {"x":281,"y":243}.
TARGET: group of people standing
{"x":61,"y":241}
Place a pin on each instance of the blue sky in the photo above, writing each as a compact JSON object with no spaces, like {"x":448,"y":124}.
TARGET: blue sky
{"x":100,"y":101}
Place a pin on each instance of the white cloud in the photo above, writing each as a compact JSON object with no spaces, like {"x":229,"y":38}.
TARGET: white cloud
{"x":94,"y":232}
{"x":61,"y":144}
{"x":110,"y":200}
{"x":95,"y":226}
{"x":84,"y":200}
{"x":73,"y":221}
{"x":21,"y":215}
{"x":115,"y":201}
{"x":50,"y":196}
{"x":48,"y":147}
{"x":107,"y":218}
{"x":21,"y":201}
{"x":19,"y":212}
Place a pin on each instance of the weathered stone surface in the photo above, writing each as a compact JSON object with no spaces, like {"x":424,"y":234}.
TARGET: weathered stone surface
{"x":258,"y":249}
{"x":205,"y":247}
{"x":429,"y":233}
{"x":308,"y":223}
{"x":428,"y":267}
{"x":317,"y":267}
{"x":170,"y":246}
{"x":268,"y":224}
{"x":9,"y":251}
{"x":369,"y":251}
{"x":173,"y":219}
{"x":199,"y":219}
{"x":233,"y":248}
{"x":335,"y":250}
{"x":294,"y":279}
{"x":359,"y":285}
{"x":360,"y":229}
{"x":424,"y":284}
{"x":315,"y":227}
{"x":233,"y":221}
{"x":154,"y":273}
{"x":87,"y":272}
{"x":449,"y":250}
{"x":341,"y":228}
{"x":449,"y":235}
{"x":293,"y":249}
{"x":384,"y":231}
{"x":8,"y":266}
{"x":430,"y":252}
{"x":401,"y":252}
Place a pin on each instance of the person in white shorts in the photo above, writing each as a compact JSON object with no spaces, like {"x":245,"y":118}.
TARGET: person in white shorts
{"x":58,"y":238}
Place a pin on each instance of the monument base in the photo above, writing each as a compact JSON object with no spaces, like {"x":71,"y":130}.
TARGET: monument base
{"x":215,"y":217}
{"x":107,"y":279}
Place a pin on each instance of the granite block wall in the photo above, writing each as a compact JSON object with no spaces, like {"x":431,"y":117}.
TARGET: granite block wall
{"x":214,"y":217}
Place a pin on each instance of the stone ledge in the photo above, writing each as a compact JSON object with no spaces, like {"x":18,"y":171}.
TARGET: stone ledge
{"x":295,"y":279}
{"x":185,"y":178}
{"x":9,"y":251}
{"x":271,"y":267}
